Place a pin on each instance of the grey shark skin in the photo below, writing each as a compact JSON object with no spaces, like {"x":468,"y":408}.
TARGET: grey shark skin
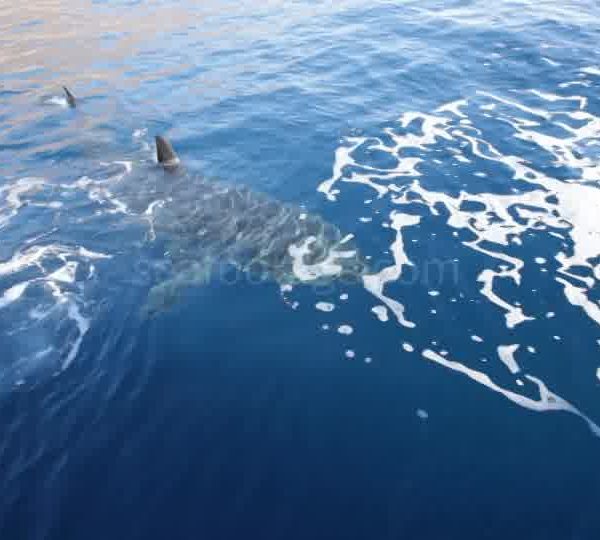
{"x":70,"y":98}
{"x":204,"y":223}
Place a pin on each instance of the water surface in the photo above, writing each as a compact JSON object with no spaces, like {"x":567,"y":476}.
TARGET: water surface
{"x":451,"y":393}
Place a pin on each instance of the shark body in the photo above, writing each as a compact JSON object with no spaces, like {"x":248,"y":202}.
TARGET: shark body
{"x":206,"y":224}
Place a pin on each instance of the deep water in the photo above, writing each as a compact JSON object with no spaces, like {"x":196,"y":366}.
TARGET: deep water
{"x":450,"y":392}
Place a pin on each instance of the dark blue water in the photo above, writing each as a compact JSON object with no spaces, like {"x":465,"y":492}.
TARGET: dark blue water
{"x":457,"y":141}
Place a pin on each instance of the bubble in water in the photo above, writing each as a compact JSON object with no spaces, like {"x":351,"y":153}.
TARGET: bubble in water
{"x":422,"y":414}
{"x":408,"y":347}
{"x":325,"y":307}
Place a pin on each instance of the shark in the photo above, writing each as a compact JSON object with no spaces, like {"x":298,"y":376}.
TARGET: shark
{"x":204,"y":225}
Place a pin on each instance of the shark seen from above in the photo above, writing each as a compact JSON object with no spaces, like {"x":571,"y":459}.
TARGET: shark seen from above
{"x":201,"y":225}
{"x":205,"y":222}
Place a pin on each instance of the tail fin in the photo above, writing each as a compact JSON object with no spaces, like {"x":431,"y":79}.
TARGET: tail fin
{"x":165,"y":154}
{"x":70,"y":98}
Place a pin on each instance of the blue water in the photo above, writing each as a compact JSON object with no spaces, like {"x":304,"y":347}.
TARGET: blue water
{"x":457,"y":141}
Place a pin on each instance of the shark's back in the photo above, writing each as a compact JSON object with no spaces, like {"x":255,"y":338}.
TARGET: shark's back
{"x":246,"y":228}
{"x":203,"y":222}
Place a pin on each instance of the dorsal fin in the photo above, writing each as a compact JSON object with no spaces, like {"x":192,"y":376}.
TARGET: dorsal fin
{"x":70,"y":97}
{"x":165,"y":154}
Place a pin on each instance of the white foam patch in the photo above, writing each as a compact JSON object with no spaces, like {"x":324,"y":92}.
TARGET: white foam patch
{"x":342,"y":158}
{"x":329,"y":267}
{"x":83,"y":325}
{"x":65,"y":274}
{"x":127,"y":166}
{"x":60,"y":304}
{"x":591,"y":70}
{"x":14,"y":196}
{"x":381,"y":313}
{"x":102,"y":195}
{"x":454,"y":108}
{"x":59,"y":101}
{"x":432,"y":128}
{"x":551,"y":62}
{"x":99,"y":191}
{"x":548,"y":401}
{"x":494,"y":226}
{"x":326,"y":307}
{"x":547,"y":96}
{"x":574,"y":83}
{"x":35,"y":255}
{"x":57,"y":274}
{"x":578,"y":297}
{"x":375,"y":283}
{"x":506,"y":353}
{"x":13,"y":294}
{"x":515,"y":104}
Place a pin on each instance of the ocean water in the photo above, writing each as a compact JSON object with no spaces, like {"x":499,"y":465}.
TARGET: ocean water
{"x":450,"y":390}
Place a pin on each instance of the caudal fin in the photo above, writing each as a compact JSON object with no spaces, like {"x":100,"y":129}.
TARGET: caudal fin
{"x":165,"y":154}
{"x":70,"y":97}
